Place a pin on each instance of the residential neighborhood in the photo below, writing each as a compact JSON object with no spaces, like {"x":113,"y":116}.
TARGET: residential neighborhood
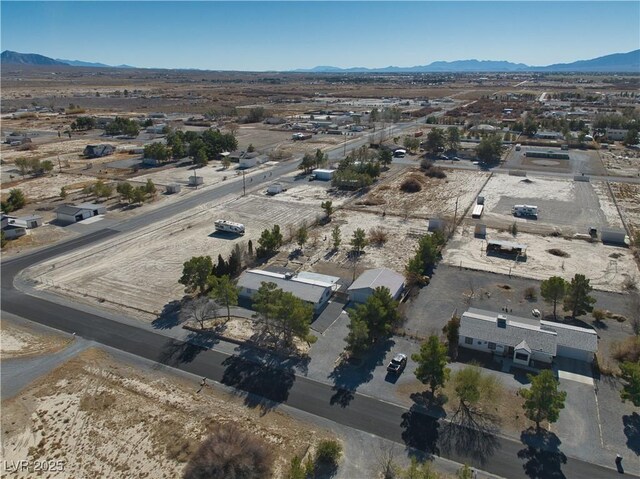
{"x":238,"y":265}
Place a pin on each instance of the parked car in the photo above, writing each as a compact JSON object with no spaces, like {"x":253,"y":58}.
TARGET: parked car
{"x":535,"y":312}
{"x":397,"y":364}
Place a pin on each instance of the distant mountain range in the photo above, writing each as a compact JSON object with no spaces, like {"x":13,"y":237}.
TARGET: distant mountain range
{"x":617,"y":62}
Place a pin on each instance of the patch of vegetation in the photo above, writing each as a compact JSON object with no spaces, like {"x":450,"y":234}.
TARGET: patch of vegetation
{"x":558,"y":252}
{"x":411,"y":185}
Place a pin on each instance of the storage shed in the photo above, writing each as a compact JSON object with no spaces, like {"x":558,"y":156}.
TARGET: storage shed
{"x":74,"y":213}
{"x":371,"y":279}
{"x":173,"y":188}
{"x":614,"y":236}
{"x":323,"y":175}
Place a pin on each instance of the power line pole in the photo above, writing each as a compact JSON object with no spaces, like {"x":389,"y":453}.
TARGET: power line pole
{"x":244,"y":185}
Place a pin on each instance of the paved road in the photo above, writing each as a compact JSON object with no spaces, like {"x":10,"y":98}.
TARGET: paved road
{"x":271,"y":383}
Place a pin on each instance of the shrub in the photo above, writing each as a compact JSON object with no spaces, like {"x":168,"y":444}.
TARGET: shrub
{"x":627,"y":350}
{"x":436,"y":172}
{"x":598,"y":315}
{"x":530,"y":293}
{"x":329,"y":452}
{"x":230,"y":452}
{"x":377,"y":236}
{"x":410,"y":185}
{"x":514,"y":229}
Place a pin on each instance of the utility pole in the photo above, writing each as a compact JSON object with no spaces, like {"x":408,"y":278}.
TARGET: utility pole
{"x":344,"y":152}
{"x":59,"y":164}
{"x":244,"y":185}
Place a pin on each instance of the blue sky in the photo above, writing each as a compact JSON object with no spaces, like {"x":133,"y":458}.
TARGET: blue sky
{"x":287,"y":35}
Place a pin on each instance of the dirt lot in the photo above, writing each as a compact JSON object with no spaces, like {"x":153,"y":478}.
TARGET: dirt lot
{"x":113,"y":273}
{"x":608,"y":267}
{"x":621,"y":162}
{"x":19,"y":342}
{"x":134,"y":422}
{"x":437,"y":198}
{"x":46,"y":187}
{"x":580,"y":161}
{"x":628,"y":198}
{"x":565,"y":206}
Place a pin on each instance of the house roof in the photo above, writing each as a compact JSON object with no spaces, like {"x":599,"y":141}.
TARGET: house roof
{"x":573,"y":336}
{"x":68,"y":210}
{"x":483,"y":325}
{"x":306,"y":289}
{"x":373,"y":278}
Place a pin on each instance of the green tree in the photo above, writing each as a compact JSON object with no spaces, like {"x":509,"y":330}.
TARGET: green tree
{"x":358,"y":337}
{"x":553,"y":290}
{"x":432,"y":363}
{"x":358,"y":241}
{"x":630,"y":374}
{"x":336,"y":237}
{"x":251,"y":148}
{"x":378,"y":313}
{"x":472,"y":386}
{"x":256,"y":114}
{"x":302,"y":235}
{"x":385,"y":157}
{"x":435,"y":141}
{"x":269,"y":242}
{"x":293,"y":318}
{"x":417,"y":470}
{"x":465,"y":472}
{"x":157,"y":151}
{"x":125,"y":190}
{"x":490,"y":148}
{"x":411,"y":143}
{"x":150,"y":188}
{"x":102,"y":189}
{"x":374,"y":115}
{"x":320,"y":159}
{"x":453,"y":138}
{"x":200,"y":157}
{"x":224,"y":291}
{"x":138,"y":195}
{"x":577,"y":299}
{"x":195,"y":273}
{"x":265,"y":304}
{"x":631,"y":138}
{"x":327,"y":206}
{"x":543,"y":400}
{"x":530,"y":127}
{"x":452,"y":331}
{"x":15,"y":201}
{"x":63,"y":193}
{"x":328,"y":452}
{"x":307,"y":163}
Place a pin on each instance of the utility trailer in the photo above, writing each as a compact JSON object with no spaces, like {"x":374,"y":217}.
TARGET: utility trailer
{"x":525,"y":210}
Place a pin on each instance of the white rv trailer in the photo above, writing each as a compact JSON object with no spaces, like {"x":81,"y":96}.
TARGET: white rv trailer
{"x":477,"y":211}
{"x":229,"y":227}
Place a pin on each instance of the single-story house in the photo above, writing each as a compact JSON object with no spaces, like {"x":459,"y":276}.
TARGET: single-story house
{"x":616,"y":134}
{"x":525,"y":340}
{"x":98,"y":151}
{"x":75,"y":213}
{"x":312,"y":291}
{"x":367,"y":282}
{"x":549,"y":135}
{"x":506,"y":247}
{"x":11,"y":231}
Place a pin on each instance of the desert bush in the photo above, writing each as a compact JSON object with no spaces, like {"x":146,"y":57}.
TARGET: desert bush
{"x":530,"y":293}
{"x":598,"y":315}
{"x":435,"y":172}
{"x":329,"y":452}
{"x":514,"y":229}
{"x":410,"y":185}
{"x":377,"y":236}
{"x":627,"y":350}
{"x":230,"y":452}
{"x":558,"y":252}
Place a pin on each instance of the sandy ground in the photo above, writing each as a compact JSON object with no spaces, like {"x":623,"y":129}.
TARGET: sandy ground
{"x":106,"y":418}
{"x":608,"y":267}
{"x":436,"y":199}
{"x":628,"y":199}
{"x":318,"y":254}
{"x":45,"y":187}
{"x":19,"y":342}
{"x":113,"y":272}
{"x":621,"y":162}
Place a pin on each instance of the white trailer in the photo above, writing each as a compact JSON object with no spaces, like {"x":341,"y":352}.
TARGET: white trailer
{"x":275,"y":188}
{"x":477,"y":211}
{"x":229,"y":227}
{"x":525,"y":210}
{"x":323,"y":175}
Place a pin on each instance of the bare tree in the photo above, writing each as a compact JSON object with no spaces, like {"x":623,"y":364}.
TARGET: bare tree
{"x":386,"y":459}
{"x":200,"y":310}
{"x":230,"y":452}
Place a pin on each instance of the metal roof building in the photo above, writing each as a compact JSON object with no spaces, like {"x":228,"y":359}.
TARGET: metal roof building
{"x":363,"y":287}
{"x":310,"y":290}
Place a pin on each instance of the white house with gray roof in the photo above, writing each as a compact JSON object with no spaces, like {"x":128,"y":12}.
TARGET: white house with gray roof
{"x":367,"y":282}
{"x":525,"y":340}
{"x":309,"y":289}
{"x":73,"y":213}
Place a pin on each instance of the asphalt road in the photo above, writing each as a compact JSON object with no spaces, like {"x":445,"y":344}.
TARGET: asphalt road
{"x":271,"y":382}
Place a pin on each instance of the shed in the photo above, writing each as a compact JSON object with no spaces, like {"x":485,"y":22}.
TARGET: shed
{"x":371,"y":279}
{"x":196,"y":180}
{"x":13,"y":231}
{"x":480,"y":230}
{"x":614,"y":236}
{"x":173,"y":188}
{"x":75,"y":213}
{"x":98,"y":151}
{"x":324,"y":175}
{"x":29,"y":222}
{"x":436,"y":224}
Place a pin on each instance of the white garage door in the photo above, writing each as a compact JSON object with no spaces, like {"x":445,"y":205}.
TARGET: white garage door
{"x":572,"y":353}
